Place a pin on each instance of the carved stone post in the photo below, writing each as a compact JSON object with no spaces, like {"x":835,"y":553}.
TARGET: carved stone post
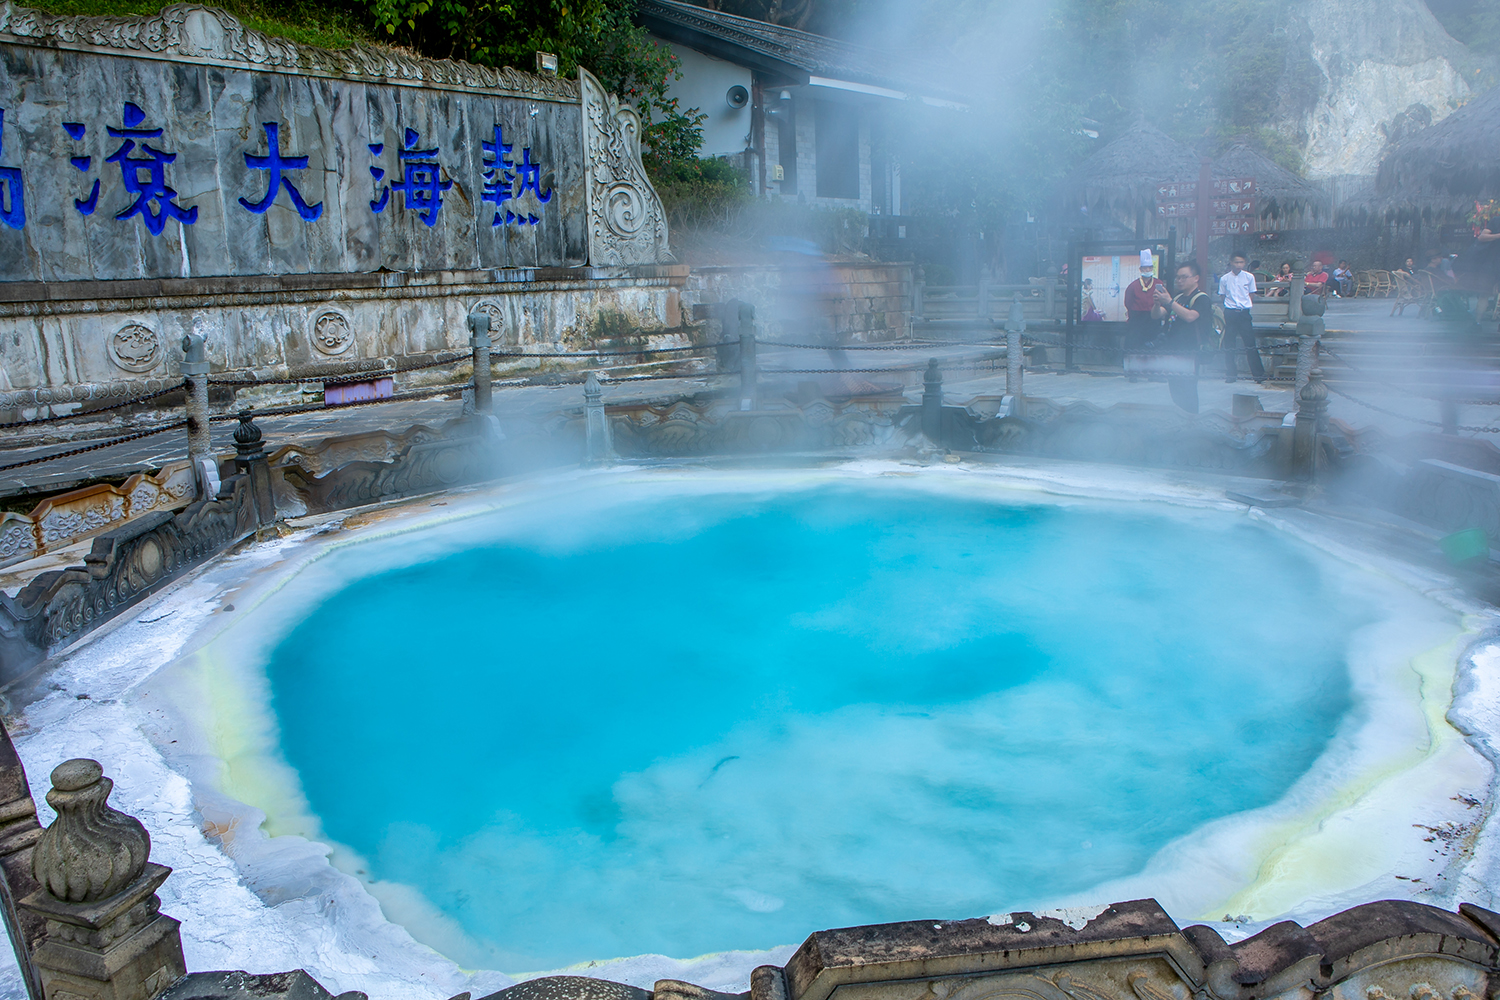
{"x":918,"y":294}
{"x":200,"y":449}
{"x":1309,"y":336}
{"x":19,"y":832}
{"x":932,"y":403}
{"x":1015,"y":325}
{"x":105,"y":937}
{"x":1312,"y":406}
{"x":479,"y":339}
{"x":250,"y":459}
{"x":599,"y":445}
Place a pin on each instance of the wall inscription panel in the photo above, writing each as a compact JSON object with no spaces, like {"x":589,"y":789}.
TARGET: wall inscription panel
{"x":187,"y":145}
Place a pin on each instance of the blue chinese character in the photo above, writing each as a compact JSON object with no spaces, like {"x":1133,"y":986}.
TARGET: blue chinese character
{"x":421,"y":183}
{"x":146,"y":176}
{"x":13,"y":207}
{"x":500,"y":173}
{"x":531,"y":178}
{"x":82,"y":164}
{"x":499,"y":181}
{"x":379,"y":206}
{"x":276,"y":163}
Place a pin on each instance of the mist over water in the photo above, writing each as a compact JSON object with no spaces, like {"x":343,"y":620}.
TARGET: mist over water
{"x":723,"y":722}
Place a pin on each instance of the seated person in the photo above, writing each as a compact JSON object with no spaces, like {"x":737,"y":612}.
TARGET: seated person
{"x":1317,"y":279}
{"x":1441,"y":269}
{"x":1343,"y":279}
{"x":1283,"y":274}
{"x":1408,"y":268}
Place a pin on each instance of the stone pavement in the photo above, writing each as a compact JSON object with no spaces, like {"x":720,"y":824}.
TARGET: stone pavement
{"x":1360,"y":330}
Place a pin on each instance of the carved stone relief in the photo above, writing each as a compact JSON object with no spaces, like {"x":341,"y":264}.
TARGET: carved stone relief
{"x":501,"y":333}
{"x":60,"y":521}
{"x":135,"y":348}
{"x":626,"y":222}
{"x":331,"y":333}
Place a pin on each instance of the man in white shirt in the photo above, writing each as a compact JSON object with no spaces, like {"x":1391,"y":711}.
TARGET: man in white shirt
{"x":1236,"y":287}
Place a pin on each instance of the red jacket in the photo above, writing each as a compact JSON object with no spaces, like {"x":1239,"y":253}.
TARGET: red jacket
{"x":1138,"y":299}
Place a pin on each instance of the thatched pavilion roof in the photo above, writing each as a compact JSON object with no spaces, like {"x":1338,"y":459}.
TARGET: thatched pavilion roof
{"x":1278,"y":191}
{"x":1123,"y":174}
{"x":1448,"y":165}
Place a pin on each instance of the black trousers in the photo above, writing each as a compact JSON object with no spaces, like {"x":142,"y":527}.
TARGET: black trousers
{"x":1238,"y":330}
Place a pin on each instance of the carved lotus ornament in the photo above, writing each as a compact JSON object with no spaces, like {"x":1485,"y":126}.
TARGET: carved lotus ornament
{"x":90,"y":852}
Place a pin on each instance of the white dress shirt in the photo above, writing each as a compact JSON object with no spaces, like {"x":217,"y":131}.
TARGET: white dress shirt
{"x":1237,"y":289}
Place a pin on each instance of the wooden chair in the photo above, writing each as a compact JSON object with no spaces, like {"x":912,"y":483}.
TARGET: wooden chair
{"x":1415,"y":290}
{"x":1384,"y":285}
{"x":1364,"y":283}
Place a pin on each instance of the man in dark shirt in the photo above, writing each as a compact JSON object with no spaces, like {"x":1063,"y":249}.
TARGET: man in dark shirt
{"x":1190,"y":319}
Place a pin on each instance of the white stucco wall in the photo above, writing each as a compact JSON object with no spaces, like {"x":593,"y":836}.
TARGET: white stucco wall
{"x":705,"y":85}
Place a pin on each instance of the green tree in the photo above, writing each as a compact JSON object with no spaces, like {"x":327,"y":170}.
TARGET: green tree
{"x":598,"y":35}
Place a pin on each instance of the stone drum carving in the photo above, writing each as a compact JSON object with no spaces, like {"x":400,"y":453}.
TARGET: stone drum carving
{"x":501,"y":333}
{"x":135,"y":348}
{"x":332,"y":333}
{"x":627,"y":224}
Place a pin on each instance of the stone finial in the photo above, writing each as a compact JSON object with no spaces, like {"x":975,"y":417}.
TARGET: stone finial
{"x":90,"y":852}
{"x":1314,"y":392}
{"x":247,"y":436}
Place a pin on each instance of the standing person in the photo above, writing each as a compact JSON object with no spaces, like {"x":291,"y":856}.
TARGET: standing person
{"x":1140,"y":302}
{"x":1190,"y":318}
{"x":1236,"y":287}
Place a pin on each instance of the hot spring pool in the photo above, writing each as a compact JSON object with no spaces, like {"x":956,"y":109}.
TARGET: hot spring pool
{"x":683,"y":724}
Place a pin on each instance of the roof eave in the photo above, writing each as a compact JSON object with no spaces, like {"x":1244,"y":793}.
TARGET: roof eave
{"x":722,"y":48}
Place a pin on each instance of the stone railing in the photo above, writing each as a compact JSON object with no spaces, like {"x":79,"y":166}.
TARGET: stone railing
{"x":81,"y":906}
{"x":60,"y":521}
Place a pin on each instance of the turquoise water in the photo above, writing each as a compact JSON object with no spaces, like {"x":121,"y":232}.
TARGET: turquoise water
{"x":724,"y":721}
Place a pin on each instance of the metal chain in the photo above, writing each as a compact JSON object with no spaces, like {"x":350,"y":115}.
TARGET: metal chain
{"x":906,"y":346}
{"x":1391,"y":385}
{"x":93,"y":447}
{"x":1416,"y":420}
{"x":90,"y":413}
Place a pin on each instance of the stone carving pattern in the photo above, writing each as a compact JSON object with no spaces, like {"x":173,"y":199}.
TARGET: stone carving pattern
{"x":208,"y":34}
{"x":331,"y":333}
{"x":68,"y":522}
{"x":82,"y":392}
{"x":626,"y":221}
{"x":90,"y":852}
{"x":501,"y":333}
{"x":332,"y":453}
{"x":135,"y":348}
{"x":17,"y":538}
{"x":450,"y":460}
{"x":62,"y":520}
{"x":126,"y":564}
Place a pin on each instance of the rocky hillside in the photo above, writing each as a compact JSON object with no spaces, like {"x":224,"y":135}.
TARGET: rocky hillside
{"x":1378,"y":68}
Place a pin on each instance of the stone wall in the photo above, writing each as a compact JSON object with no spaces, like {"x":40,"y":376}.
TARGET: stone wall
{"x":305,"y":209}
{"x":814,"y":300}
{"x":58,"y":335}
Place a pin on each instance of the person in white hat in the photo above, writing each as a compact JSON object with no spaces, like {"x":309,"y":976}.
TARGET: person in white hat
{"x":1140,"y":299}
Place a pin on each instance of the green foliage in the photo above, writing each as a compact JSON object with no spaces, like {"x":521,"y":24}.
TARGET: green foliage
{"x":702,"y":194}
{"x":598,"y":35}
{"x":328,"y":24}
